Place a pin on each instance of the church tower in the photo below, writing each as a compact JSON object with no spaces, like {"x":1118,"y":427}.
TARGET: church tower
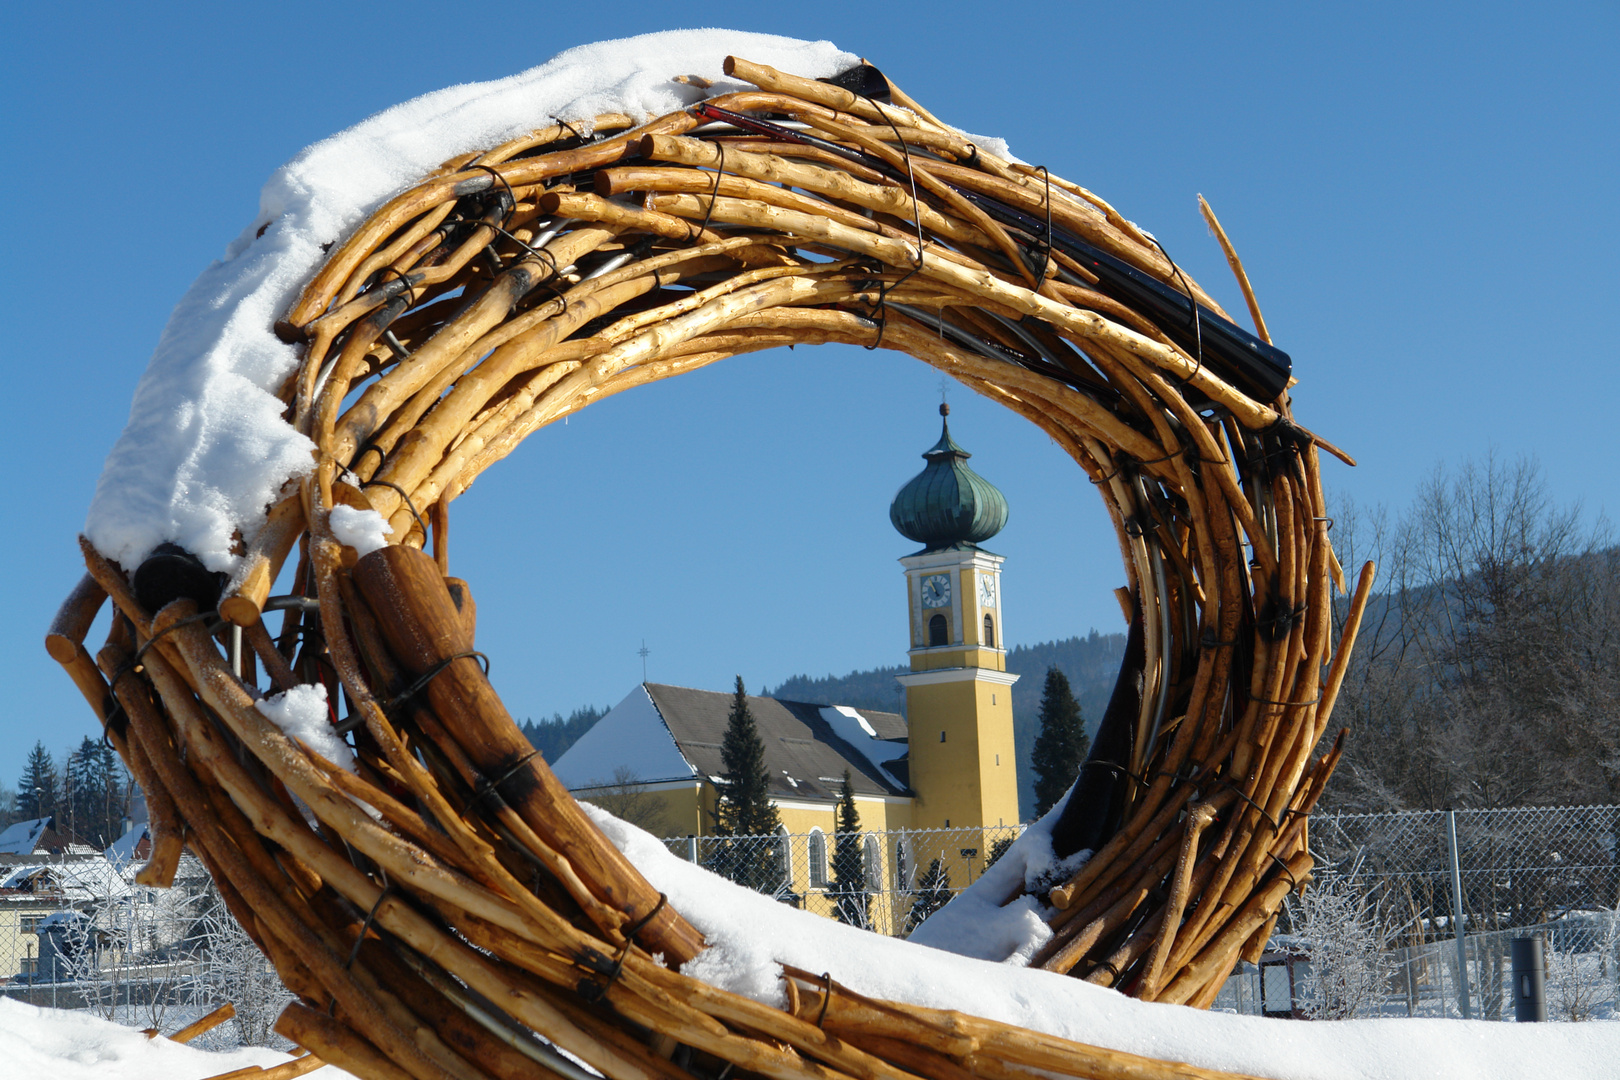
{"x":958,"y":692}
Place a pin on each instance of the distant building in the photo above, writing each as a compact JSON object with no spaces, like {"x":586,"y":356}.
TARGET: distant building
{"x":953,"y":766}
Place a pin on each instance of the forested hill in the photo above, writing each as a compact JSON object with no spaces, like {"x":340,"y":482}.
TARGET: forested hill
{"x":1090,"y":662}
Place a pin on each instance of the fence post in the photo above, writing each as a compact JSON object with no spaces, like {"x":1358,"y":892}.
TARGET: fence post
{"x":1457,"y":917}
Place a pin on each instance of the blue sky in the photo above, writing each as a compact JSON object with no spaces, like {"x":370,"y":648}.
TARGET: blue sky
{"x":1424,"y":196}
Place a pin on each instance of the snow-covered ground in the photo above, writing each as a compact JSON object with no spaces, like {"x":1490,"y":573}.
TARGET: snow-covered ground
{"x":56,"y":1044}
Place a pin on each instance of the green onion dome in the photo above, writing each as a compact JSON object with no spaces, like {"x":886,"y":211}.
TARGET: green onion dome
{"x":948,"y":504}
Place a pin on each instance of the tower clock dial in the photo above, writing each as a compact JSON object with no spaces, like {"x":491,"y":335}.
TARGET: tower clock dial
{"x":936,"y":591}
{"x":987,"y":592}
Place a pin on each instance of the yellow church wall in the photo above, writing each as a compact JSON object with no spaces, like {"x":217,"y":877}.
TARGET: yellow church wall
{"x":971,"y":777}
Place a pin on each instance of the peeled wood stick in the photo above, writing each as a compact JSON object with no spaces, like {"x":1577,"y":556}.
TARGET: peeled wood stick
{"x":997,"y":1041}
{"x":416,"y":381}
{"x":242,"y":601}
{"x":828,"y":182}
{"x":73,"y":619}
{"x":1238,"y":272}
{"x":834,"y":97}
{"x":897,"y":253}
{"x":428,"y":440}
{"x":409,"y":204}
{"x":266,"y":901}
{"x":1198,"y":818}
{"x":332,"y":1042}
{"x":1216,"y":957}
{"x":204,"y":1023}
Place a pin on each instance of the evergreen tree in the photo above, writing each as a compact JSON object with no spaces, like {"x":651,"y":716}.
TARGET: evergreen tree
{"x":998,"y":849}
{"x":743,"y":807}
{"x":38,"y":790}
{"x":850,"y":899}
{"x":933,"y":893}
{"x":1062,"y":745}
{"x":95,"y":795}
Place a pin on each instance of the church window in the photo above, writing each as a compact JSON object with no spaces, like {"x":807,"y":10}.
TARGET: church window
{"x":902,"y":865}
{"x":938,"y":634}
{"x":818,"y":859}
{"x":989,"y":632}
{"x":941,"y":736}
{"x":872,"y":860}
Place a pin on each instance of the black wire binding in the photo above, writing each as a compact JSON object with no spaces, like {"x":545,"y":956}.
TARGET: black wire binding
{"x":1240,"y":793}
{"x":1131,"y":462}
{"x":488,"y":787}
{"x":1293,"y":881}
{"x":135,"y":662}
{"x":826,"y":996}
{"x":719,"y":171}
{"x":1046,"y":242}
{"x":593,"y":991}
{"x":354,"y":953}
{"x":1197,"y":327}
{"x":404,"y":279}
{"x":551,"y":261}
{"x":882,"y":316}
{"x":354,"y":463}
{"x":571,"y":128}
{"x":429,"y":675}
{"x":409,"y":505}
{"x":511,"y":195}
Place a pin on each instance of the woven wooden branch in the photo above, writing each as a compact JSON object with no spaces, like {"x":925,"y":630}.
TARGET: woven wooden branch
{"x":512,"y":288}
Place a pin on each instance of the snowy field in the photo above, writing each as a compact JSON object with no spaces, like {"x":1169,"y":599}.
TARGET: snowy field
{"x":55,"y":1044}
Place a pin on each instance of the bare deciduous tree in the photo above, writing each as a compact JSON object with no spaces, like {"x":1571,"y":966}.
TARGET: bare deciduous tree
{"x":1487,"y":671}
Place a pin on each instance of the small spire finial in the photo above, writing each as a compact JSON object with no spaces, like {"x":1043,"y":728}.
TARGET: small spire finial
{"x":944,"y":409}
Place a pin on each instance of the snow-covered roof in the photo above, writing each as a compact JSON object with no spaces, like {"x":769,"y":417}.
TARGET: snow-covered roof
{"x":206,"y":450}
{"x":631,"y":737}
{"x":661,"y":733}
{"x":23,"y":836}
{"x":74,"y":880}
{"x":122,"y":851}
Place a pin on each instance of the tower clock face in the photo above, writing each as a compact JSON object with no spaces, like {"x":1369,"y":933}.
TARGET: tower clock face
{"x":936,"y":591}
{"x":987,"y":592}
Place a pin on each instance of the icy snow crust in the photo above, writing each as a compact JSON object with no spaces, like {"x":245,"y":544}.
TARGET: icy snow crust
{"x":750,"y":935}
{"x":55,"y":1044}
{"x":976,"y":923}
{"x":205,"y":451}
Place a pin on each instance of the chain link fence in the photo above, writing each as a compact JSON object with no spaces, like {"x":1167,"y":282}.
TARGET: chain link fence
{"x":886,"y":882}
{"x":1517,"y":871}
{"x":77,"y":933}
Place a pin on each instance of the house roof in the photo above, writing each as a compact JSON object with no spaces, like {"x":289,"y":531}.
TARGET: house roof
{"x":23,"y":837}
{"x":661,"y":732}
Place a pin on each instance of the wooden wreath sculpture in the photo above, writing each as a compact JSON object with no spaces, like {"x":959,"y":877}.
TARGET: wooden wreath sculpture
{"x":449,"y":893}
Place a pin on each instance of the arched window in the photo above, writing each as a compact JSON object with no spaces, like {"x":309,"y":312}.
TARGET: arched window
{"x":989,"y":632}
{"x":872,"y":858}
{"x":902,"y":865}
{"x":938,"y":634}
{"x":817,"y":850}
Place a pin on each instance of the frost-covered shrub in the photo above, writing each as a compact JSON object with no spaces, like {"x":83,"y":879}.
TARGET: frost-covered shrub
{"x":1348,"y":940}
